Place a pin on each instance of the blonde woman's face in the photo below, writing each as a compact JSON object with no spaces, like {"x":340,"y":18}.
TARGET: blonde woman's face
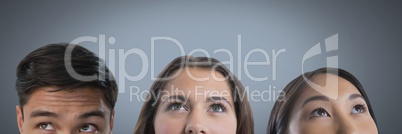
{"x":197,"y":101}
{"x":315,"y":113}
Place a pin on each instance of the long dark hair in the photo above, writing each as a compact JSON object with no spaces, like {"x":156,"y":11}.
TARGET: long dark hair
{"x":145,"y":123}
{"x":280,"y":114}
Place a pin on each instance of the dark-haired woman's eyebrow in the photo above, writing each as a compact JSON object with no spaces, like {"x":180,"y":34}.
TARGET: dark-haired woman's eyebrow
{"x":315,"y":98}
{"x":355,"y":96}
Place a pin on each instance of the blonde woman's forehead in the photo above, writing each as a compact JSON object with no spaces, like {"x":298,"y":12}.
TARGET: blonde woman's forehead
{"x":190,"y":88}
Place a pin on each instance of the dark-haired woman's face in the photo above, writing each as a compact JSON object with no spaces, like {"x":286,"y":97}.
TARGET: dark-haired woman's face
{"x":192,"y":105}
{"x":344,"y":112}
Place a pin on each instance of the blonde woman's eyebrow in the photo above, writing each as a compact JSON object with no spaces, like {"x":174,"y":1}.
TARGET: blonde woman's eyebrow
{"x":218,"y":98}
{"x":174,"y":97}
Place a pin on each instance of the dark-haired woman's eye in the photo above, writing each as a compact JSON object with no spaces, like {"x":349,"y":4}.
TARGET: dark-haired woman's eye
{"x":319,"y":112}
{"x":217,"y":107}
{"x":360,"y":108}
{"x":175,"y":106}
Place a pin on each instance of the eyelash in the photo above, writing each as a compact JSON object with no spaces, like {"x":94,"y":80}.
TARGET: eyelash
{"x":169,"y":107}
{"x":48,"y":123}
{"x":44,"y":123}
{"x":316,"y":110}
{"x":175,"y":103}
{"x":91,"y":124}
{"x":363,"y":107}
{"x":220,"y":105}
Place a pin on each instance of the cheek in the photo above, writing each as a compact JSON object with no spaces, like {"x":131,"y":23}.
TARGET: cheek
{"x":367,"y":125}
{"x":320,"y":126}
{"x":224,"y":126}
{"x":364,"y":125}
{"x":301,"y":125}
{"x":165,"y":125}
{"x":29,"y":127}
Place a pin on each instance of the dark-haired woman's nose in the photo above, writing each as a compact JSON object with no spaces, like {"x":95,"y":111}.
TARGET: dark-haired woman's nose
{"x":347,"y":125}
{"x":196,"y":123}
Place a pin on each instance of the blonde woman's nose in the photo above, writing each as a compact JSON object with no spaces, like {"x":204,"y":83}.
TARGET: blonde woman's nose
{"x":196,"y":123}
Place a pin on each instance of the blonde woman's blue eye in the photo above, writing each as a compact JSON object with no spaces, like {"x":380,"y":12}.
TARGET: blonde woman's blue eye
{"x":46,"y":126}
{"x":319,"y":112}
{"x":358,"y":109}
{"x":176,"y":106}
{"x":88,"y":128}
{"x":217,"y":108}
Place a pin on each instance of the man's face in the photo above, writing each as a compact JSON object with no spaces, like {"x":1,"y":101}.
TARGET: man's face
{"x":82,"y":111}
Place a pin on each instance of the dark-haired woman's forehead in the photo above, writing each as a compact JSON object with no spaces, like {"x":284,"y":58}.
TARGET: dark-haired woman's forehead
{"x":330,"y":86}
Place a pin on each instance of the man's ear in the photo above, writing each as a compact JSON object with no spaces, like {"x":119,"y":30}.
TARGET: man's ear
{"x":20,"y":119}
{"x":111,"y":121}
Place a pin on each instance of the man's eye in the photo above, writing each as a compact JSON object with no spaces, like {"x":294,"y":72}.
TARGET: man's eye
{"x":46,"y":126}
{"x":88,"y":128}
{"x":219,"y":108}
{"x":319,"y":112}
{"x":176,"y":106}
{"x":360,"y":108}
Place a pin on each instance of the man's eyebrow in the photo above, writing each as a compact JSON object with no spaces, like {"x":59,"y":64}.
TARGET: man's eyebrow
{"x":315,"y":98}
{"x":217,"y":98}
{"x":40,"y":113}
{"x":177,"y":97}
{"x":355,"y":96}
{"x":97,"y":113}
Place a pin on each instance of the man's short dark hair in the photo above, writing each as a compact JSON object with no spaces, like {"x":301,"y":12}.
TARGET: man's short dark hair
{"x":46,"y":67}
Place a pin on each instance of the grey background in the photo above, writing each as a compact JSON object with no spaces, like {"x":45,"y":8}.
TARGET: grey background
{"x":369,"y":43}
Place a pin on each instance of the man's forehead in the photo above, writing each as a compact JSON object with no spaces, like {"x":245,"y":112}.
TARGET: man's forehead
{"x":85,"y":97}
